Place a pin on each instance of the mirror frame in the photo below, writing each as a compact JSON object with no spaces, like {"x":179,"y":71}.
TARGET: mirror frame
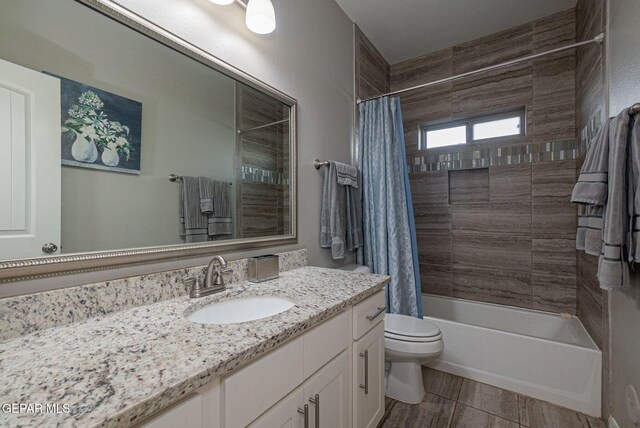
{"x":47,"y":266}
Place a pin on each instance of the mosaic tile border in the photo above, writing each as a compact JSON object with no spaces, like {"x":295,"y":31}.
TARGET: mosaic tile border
{"x":260,"y":175}
{"x":497,"y":156}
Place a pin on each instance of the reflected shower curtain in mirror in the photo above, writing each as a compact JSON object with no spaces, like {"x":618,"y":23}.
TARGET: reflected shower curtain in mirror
{"x":389,"y":229}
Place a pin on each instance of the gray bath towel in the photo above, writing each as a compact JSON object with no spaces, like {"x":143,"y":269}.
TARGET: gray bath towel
{"x":603,"y":187}
{"x":220,"y":224}
{"x":193,"y":223}
{"x":634,"y":192}
{"x":340,"y":216}
{"x":207,"y":190}
{"x":347,"y":174}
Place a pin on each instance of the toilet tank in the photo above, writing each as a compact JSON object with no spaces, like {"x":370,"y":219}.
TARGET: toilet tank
{"x":352,"y":267}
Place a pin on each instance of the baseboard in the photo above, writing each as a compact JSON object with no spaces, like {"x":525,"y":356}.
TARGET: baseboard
{"x":612,"y":422}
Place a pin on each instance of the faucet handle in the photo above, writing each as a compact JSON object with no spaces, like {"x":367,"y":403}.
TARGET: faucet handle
{"x":218,"y":278}
{"x":192,"y":283}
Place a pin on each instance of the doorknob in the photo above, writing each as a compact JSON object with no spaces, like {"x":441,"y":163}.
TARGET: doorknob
{"x":49,"y":248}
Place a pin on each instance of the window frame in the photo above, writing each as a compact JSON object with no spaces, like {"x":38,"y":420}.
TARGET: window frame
{"x":468,"y":123}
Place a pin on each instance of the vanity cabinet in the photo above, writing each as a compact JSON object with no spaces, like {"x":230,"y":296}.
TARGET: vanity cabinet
{"x":335,"y":369}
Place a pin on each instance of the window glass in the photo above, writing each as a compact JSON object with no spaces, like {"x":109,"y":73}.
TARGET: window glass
{"x":446,"y":136}
{"x":497,"y":128}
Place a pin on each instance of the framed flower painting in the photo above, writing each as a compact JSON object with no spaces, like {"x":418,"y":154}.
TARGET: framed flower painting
{"x":100,"y":130}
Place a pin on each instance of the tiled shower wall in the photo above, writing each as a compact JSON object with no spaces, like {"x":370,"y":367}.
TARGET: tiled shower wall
{"x":503,"y":234}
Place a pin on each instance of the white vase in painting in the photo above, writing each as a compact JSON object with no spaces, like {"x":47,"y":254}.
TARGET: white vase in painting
{"x":84,"y":149}
{"x":110,"y":157}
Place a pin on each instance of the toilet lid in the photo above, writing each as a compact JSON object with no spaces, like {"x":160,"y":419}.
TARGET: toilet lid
{"x":410,"y":327}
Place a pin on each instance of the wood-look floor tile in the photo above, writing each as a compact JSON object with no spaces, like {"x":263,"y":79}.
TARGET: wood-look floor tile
{"x":432,"y":412}
{"x":596,"y":423}
{"x":491,"y":399}
{"x":440,"y":383}
{"x":539,"y":414}
{"x":468,"y":417}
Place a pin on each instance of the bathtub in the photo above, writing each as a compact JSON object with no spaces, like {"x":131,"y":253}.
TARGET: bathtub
{"x":538,"y":354}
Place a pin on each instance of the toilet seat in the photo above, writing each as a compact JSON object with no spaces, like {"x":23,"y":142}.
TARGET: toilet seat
{"x":410,"y":329}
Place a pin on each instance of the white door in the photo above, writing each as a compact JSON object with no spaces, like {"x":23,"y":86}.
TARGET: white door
{"x":29,"y":162}
{"x":368,"y":378}
{"x":287,"y":413}
{"x":328,"y":394}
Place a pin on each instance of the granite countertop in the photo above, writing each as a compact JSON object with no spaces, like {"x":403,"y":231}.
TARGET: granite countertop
{"x":117,"y":369}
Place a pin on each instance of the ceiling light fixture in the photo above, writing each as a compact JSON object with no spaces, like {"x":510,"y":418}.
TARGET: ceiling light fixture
{"x":260,"y":16}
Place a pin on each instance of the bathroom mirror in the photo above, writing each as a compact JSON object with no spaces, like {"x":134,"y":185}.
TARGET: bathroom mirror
{"x":121,"y":143}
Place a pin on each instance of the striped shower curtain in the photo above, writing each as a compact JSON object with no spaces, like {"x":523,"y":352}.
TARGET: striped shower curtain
{"x":389,"y":229}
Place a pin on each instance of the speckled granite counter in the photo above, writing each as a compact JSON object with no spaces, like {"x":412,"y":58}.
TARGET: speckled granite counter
{"x":117,"y":369}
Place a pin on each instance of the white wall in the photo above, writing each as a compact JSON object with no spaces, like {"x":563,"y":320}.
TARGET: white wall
{"x":624,"y":306}
{"x":309,"y":57}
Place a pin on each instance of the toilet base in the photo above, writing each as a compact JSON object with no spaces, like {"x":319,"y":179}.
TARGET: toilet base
{"x":404,"y":382}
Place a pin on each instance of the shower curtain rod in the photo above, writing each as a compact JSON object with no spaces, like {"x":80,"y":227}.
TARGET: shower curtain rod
{"x":597,"y":39}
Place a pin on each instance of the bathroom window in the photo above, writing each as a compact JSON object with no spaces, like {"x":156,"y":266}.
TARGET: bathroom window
{"x":479,"y":129}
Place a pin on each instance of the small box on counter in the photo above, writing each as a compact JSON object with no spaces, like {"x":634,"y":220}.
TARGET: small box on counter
{"x":263,"y":268}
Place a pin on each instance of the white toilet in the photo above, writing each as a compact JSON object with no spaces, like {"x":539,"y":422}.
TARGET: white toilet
{"x":408,"y":342}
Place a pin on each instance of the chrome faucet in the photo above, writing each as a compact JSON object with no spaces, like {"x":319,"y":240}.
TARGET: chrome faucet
{"x":213,"y":280}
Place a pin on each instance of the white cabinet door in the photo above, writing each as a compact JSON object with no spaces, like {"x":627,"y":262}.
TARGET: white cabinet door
{"x":287,"y":413}
{"x":186,"y":414}
{"x":29,"y":161}
{"x":328,"y":393}
{"x":368,"y":379}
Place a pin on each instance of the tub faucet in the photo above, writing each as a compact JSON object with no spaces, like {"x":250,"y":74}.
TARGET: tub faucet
{"x":213,"y":280}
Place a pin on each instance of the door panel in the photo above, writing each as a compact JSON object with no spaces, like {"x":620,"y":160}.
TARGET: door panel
{"x":332,"y":384}
{"x":29,"y":161}
{"x":284,"y":414}
{"x":369,"y":403}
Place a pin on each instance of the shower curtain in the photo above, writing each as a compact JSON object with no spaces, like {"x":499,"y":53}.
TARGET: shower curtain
{"x":389,"y":229}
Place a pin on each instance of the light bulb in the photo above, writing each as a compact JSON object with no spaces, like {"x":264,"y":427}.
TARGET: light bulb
{"x":261,"y":17}
{"x":222,"y":2}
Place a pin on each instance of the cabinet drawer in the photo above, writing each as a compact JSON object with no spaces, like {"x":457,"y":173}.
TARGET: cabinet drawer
{"x":326,"y":341}
{"x":258,"y":386}
{"x":367,"y":314}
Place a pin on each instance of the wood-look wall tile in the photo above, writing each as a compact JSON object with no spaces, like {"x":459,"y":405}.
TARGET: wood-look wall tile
{"x":554,"y":293}
{"x":590,"y":313}
{"x":505,"y":287}
{"x":510,"y":183}
{"x":554,"y":31}
{"x":492,"y":250}
{"x":553,"y":106}
{"x":426,"y":105}
{"x":510,"y":87}
{"x":553,"y":179}
{"x":432,"y":217}
{"x":434,"y":248}
{"x":555,"y":256}
{"x":471,"y":185}
{"x":495,"y":217}
{"x":372,"y":70}
{"x":553,"y":219}
{"x":436,"y":279}
{"x":430,"y":187}
{"x":499,"y":47}
{"x":588,"y":276}
{"x":434,"y":66}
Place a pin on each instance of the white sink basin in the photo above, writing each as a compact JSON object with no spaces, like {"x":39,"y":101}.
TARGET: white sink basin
{"x":241,"y":310}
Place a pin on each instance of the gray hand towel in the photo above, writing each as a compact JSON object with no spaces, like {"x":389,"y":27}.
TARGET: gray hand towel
{"x":347,"y":175}
{"x":634,"y":192}
{"x":193,"y":223}
{"x":340,"y":215}
{"x":220,"y":223}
